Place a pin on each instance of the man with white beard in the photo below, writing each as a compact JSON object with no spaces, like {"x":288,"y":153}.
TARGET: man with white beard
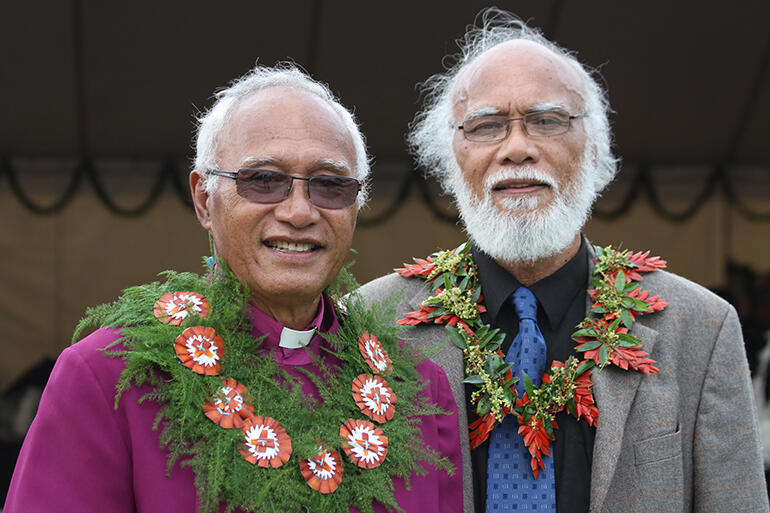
{"x":598,"y":393}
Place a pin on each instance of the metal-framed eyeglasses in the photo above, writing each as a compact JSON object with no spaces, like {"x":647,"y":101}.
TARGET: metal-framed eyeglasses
{"x":544,"y":123}
{"x":269,"y":186}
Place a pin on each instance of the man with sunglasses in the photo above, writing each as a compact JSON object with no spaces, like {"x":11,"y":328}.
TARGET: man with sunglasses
{"x":250,"y":388}
{"x":517,"y":132}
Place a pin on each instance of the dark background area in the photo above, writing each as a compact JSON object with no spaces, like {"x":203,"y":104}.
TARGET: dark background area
{"x":118,"y":79}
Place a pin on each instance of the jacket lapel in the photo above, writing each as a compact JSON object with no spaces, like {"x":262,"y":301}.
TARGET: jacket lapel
{"x":614,"y":391}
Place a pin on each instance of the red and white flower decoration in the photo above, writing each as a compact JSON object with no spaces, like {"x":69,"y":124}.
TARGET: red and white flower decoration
{"x":200,"y":349}
{"x":374,"y":397}
{"x":265,"y":443}
{"x":227,"y":407}
{"x":323,"y":472}
{"x":174,"y":307}
{"x":374,"y":354}
{"x":365,"y":445}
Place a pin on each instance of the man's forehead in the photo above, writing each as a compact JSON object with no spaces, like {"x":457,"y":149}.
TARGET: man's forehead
{"x":284,"y":101}
{"x":517,"y":71}
{"x":279,"y":124}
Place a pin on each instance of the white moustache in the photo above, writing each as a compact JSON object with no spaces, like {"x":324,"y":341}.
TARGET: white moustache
{"x":526,"y":173}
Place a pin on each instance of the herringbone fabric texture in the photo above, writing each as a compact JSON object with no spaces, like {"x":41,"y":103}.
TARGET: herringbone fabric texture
{"x":510,"y":483}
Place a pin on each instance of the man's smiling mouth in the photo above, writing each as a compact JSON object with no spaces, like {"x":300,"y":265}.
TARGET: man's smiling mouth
{"x":292,"y":247}
{"x":519,"y":184}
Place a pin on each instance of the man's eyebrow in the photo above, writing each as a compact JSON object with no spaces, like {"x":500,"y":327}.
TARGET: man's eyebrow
{"x":483,"y":111}
{"x":332,"y":165}
{"x":258,"y":161}
{"x":545,"y":106}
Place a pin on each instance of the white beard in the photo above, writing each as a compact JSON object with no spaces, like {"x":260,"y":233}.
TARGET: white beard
{"x":516,"y":232}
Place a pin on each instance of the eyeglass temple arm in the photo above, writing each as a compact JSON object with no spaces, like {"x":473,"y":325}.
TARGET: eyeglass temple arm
{"x":222,"y":173}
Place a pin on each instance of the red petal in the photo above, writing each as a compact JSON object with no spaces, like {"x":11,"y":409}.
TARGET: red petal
{"x":644,"y":262}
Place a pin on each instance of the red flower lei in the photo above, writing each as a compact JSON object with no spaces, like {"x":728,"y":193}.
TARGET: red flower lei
{"x":604,"y":340}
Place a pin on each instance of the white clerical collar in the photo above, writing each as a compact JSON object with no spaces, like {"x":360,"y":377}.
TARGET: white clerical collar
{"x":293,"y":339}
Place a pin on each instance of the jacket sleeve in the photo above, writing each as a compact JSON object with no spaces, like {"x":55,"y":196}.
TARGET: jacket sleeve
{"x":75,"y":456}
{"x":727,"y":460}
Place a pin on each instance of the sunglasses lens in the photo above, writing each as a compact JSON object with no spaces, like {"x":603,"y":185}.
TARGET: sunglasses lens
{"x":267,"y":186}
{"x":262,"y":185}
{"x":333,"y":191}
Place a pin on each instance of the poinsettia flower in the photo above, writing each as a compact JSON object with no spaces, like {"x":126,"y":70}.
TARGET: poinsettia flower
{"x":624,"y":357}
{"x":641,"y":263}
{"x":421,"y":267}
{"x":374,"y":354}
{"x":426,"y":315}
{"x":536,"y":440}
{"x":265,"y":442}
{"x":634,"y":357}
{"x":481,"y":428}
{"x":365,"y":445}
{"x":644,"y":263}
{"x":584,"y":399}
{"x":623,"y":353}
{"x":374,"y":397}
{"x":654,"y":303}
{"x":200,"y":349}
{"x":323,"y":471}
{"x":174,"y":307}
{"x":227,"y":407}
{"x":556,"y":364}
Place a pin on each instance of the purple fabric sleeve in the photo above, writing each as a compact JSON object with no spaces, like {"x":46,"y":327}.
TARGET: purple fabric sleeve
{"x":69,"y":445}
{"x":436,"y":491}
{"x":81,"y":454}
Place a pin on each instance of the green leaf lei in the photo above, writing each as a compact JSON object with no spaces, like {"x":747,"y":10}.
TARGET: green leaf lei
{"x":221,"y":473}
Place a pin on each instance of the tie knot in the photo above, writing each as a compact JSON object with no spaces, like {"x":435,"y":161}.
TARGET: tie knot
{"x":525,"y":304}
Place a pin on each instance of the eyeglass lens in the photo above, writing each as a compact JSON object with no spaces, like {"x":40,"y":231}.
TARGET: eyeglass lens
{"x":268,"y":186}
{"x":493,"y":128}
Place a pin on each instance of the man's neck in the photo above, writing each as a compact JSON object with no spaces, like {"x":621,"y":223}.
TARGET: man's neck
{"x":528,"y":273}
{"x":297,"y":316}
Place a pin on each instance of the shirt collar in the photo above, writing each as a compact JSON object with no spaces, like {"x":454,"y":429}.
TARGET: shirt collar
{"x":554,"y":293}
{"x":294,"y":339}
{"x":291,"y":346}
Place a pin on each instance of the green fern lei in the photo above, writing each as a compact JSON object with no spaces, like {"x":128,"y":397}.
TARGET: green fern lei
{"x":221,"y":474}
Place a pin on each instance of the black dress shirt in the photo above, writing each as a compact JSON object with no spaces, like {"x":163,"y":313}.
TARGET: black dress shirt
{"x":561,"y":299}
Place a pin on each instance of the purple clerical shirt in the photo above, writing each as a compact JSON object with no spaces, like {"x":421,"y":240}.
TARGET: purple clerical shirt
{"x":83,"y":455}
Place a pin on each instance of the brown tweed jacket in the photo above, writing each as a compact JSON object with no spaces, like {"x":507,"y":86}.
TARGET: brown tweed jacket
{"x":684,"y":440}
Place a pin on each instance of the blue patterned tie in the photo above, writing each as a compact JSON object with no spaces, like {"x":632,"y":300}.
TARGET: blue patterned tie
{"x":510,"y":483}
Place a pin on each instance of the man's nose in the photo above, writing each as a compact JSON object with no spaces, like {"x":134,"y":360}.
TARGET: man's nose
{"x":518,"y":146}
{"x":297,"y":209}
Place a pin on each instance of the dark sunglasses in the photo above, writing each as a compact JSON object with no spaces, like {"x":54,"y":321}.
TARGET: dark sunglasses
{"x":268,"y":186}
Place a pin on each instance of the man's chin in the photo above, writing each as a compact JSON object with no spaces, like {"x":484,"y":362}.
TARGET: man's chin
{"x":519,"y":234}
{"x":512,"y":210}
{"x":521,"y":205}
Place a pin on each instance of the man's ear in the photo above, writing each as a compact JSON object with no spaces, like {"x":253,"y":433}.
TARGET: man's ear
{"x":200,"y":198}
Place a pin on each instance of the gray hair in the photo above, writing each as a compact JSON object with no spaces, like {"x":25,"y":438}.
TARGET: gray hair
{"x":431,"y":132}
{"x":286,"y":75}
